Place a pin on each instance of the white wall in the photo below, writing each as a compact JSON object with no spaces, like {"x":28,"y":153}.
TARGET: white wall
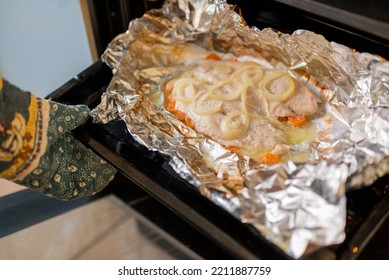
{"x":43,"y":43}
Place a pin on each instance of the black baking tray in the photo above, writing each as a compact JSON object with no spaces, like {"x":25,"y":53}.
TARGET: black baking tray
{"x":367,"y":208}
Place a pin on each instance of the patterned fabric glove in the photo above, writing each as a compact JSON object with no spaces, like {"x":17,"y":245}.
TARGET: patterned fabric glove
{"x":37,"y":150}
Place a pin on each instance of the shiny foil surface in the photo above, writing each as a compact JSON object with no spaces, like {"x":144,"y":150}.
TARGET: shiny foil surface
{"x":295,"y":206}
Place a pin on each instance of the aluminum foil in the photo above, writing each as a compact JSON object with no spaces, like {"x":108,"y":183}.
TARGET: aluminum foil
{"x":295,"y":206}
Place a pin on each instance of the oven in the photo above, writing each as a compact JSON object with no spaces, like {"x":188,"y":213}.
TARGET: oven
{"x":148,"y":184}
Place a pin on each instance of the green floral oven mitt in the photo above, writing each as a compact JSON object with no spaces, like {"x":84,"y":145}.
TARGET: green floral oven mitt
{"x":37,"y":150}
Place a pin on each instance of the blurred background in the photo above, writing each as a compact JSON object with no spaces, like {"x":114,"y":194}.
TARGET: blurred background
{"x":43,"y":43}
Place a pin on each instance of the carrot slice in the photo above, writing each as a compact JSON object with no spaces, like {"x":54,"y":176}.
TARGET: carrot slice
{"x":180,"y":115}
{"x":271,"y":159}
{"x":171,"y":106}
{"x":189,"y":122}
{"x":169,"y":85}
{"x":213,"y":56}
{"x":298,"y":121}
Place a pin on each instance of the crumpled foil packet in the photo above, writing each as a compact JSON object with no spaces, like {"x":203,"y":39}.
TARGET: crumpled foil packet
{"x":292,"y":205}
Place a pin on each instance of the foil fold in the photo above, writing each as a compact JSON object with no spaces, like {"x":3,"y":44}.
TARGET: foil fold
{"x":295,"y":206}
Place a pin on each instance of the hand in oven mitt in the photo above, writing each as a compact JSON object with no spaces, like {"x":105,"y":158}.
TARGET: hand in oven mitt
{"x":38,"y":151}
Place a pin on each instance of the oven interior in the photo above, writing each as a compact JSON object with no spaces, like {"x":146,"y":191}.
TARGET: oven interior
{"x":175,"y":206}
